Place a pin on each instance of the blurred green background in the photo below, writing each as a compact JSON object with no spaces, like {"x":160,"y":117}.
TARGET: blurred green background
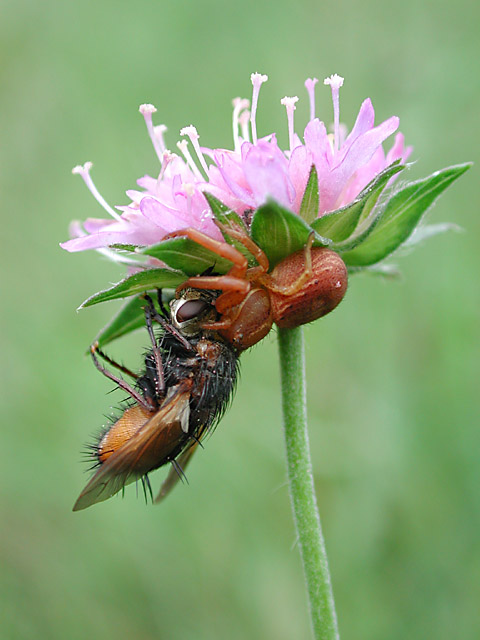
{"x":393,"y":374}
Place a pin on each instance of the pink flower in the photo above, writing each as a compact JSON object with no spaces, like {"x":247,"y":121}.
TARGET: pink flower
{"x":247,"y":176}
{"x":258,"y":170}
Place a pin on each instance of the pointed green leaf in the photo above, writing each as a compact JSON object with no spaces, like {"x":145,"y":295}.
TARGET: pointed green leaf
{"x":138,"y":283}
{"x":221,"y":212}
{"x":400,"y":216}
{"x":309,"y":207}
{"x":130,"y":317}
{"x":340,"y":224}
{"x":226,"y":216}
{"x":185,"y":255}
{"x":280,"y":232}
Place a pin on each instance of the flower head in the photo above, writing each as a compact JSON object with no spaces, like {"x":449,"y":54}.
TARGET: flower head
{"x":244,"y":178}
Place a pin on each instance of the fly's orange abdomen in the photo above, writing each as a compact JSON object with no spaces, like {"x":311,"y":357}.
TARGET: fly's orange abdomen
{"x":121,"y":431}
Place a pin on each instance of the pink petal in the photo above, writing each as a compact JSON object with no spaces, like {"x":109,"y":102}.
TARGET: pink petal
{"x":364,"y":122}
{"x":301,"y":162}
{"x":316,"y":140}
{"x":95,"y":225}
{"x":233,"y":175}
{"x":159,"y":215}
{"x":266,"y":170}
{"x":359,"y":153}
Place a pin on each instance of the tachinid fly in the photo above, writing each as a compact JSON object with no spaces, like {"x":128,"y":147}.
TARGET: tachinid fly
{"x":188,"y":380}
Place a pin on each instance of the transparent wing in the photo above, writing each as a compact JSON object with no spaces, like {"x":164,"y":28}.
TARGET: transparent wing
{"x":147,"y":449}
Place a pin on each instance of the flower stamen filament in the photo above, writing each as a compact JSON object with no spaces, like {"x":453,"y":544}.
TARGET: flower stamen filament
{"x":310,"y":87}
{"x":257,"y":80}
{"x":183,"y":146}
{"x":192,"y":133}
{"x":289,"y":104}
{"x":239,"y":107}
{"x":335,"y":81}
{"x":84,"y":172}
{"x":147,"y":110}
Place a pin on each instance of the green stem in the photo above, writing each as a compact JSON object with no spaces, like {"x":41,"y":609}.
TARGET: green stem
{"x":302,"y":491}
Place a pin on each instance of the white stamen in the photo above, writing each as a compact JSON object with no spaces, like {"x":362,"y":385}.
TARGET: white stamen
{"x":289,"y":104}
{"x":257,"y":80}
{"x":335,"y":83}
{"x":147,"y":110}
{"x":239,"y":106}
{"x":310,"y":87}
{"x":85,"y":173}
{"x":168,"y":156}
{"x":159,"y":130}
{"x":192,"y":133}
{"x":183,"y":146}
{"x":244,"y":119}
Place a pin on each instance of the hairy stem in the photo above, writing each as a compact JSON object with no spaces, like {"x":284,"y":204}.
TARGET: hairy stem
{"x":302,"y":491}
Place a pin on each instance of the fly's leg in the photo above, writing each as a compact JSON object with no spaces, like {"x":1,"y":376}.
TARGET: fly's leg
{"x":144,"y":402}
{"x":157,"y":354}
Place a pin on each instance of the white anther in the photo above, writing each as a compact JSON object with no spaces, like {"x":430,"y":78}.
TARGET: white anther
{"x":147,"y":108}
{"x":192,"y":133}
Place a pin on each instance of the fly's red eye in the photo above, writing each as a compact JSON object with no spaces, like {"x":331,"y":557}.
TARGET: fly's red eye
{"x":191,"y":309}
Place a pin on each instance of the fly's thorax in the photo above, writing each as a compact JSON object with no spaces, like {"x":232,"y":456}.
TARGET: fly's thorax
{"x":209,"y":350}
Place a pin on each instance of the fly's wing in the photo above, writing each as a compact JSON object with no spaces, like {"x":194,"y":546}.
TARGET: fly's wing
{"x":125,"y":465}
{"x":174,"y":475}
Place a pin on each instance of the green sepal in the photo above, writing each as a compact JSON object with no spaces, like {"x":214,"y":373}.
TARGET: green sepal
{"x":222,"y":213}
{"x":130,"y":317}
{"x":125,"y":247}
{"x":185,"y":255}
{"x":309,"y":206}
{"x":341,"y":224}
{"x":227,"y":217}
{"x":138,"y":283}
{"x":280,"y":232}
{"x":400,"y":215}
